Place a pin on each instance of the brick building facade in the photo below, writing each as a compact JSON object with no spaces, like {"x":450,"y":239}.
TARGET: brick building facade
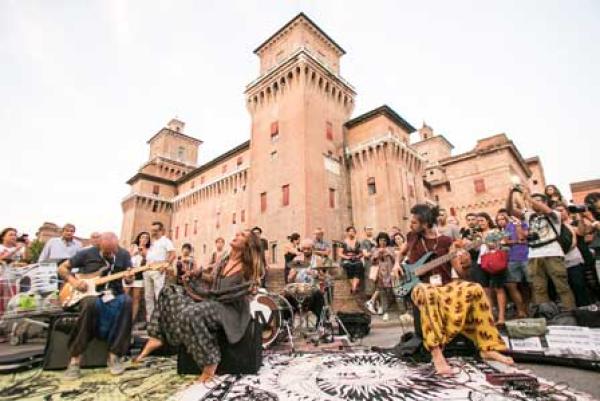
{"x":308,"y":164}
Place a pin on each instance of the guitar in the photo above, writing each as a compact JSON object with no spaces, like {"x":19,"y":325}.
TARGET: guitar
{"x":69,"y":295}
{"x":412,"y":272}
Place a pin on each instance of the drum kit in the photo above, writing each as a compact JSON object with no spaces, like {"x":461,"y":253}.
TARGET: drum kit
{"x":280,"y":321}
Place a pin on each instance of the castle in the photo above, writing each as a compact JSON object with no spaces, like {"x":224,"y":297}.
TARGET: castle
{"x":308,"y":164}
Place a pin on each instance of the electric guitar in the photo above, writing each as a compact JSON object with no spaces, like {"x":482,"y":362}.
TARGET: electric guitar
{"x":69,"y":295}
{"x":412,"y":272}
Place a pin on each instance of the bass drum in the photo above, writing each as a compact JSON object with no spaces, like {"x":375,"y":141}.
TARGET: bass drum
{"x":274,"y":312}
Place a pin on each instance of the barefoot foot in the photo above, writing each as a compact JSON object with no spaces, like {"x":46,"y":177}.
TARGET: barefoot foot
{"x":151,"y":345}
{"x":496,"y":356}
{"x":208,"y":373}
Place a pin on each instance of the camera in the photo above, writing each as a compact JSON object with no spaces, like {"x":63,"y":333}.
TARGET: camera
{"x":533,"y":237}
{"x":577,"y":208}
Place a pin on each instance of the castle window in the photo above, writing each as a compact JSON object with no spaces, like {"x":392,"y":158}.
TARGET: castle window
{"x":193,"y":184}
{"x":332,"y":198}
{"x":233,"y":218}
{"x":185,"y":228}
{"x":201,"y":180}
{"x":204,"y":249}
{"x":411,"y":191}
{"x":195,"y":227}
{"x":285,"y":195}
{"x":243,"y":216}
{"x":156,"y":189}
{"x":329,"y":131}
{"x":274,"y":130}
{"x":274,"y":155}
{"x":180,"y":153}
{"x":479,"y":185}
{"x":218,"y":222}
{"x":263,"y":202}
{"x":224,"y":168}
{"x":371,"y":186}
{"x":273,"y":246}
{"x":535,"y":182}
{"x":240,"y":160}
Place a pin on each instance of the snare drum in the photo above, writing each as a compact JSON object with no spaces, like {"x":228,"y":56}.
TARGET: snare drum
{"x":272,"y":310}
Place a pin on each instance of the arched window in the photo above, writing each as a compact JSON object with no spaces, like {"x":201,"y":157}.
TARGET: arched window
{"x":371,"y":186}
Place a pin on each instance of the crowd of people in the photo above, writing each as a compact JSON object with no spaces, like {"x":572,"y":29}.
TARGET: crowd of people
{"x":536,"y":251}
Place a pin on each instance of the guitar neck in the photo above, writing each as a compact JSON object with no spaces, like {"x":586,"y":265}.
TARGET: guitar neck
{"x":427,"y":267}
{"x":120,"y":275}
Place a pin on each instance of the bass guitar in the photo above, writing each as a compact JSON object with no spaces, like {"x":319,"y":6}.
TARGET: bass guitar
{"x":424,"y":265}
{"x":69,"y":295}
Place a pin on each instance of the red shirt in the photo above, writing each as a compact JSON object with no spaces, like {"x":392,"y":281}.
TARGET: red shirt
{"x":440,"y":246}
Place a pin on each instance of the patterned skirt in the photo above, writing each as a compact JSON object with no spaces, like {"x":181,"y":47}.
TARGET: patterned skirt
{"x":457,"y":307}
{"x":180,"y":321}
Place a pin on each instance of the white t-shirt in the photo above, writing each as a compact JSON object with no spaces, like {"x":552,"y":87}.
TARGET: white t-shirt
{"x":15,"y":256}
{"x":159,"y":249}
{"x":538,"y":223}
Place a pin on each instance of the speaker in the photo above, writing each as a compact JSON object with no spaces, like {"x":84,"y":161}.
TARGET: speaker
{"x":241,"y":358}
{"x":56,"y":353}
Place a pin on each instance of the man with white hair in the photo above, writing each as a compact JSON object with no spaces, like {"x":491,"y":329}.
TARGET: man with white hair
{"x":304,"y":270}
{"x":107,"y":316}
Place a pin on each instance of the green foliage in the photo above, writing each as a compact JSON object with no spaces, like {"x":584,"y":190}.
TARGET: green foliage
{"x":35,"y":248}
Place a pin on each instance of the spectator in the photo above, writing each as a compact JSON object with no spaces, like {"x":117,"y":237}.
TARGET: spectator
{"x":516,"y":239}
{"x":368,"y":244}
{"x":134,"y":289}
{"x":11,"y":250}
{"x":322,"y":247}
{"x":493,"y":284}
{"x":445,"y":228}
{"x":61,"y":248}
{"x":553,"y":195}
{"x":470,"y":231}
{"x":291,"y":251}
{"x":161,"y":250}
{"x":95,"y":240}
{"x":186,"y":265}
{"x":383,"y":258}
{"x":351,"y":254}
{"x":264,"y":260}
{"x":574,"y":260}
{"x":546,"y":257}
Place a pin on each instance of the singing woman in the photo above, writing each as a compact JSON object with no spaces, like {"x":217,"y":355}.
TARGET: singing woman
{"x":180,"y":319}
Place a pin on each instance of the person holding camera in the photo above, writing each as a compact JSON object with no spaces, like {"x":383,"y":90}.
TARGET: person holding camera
{"x":546,"y":256}
{"x":516,"y":231}
{"x":574,"y":258}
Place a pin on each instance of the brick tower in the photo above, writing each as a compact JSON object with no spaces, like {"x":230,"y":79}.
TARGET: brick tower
{"x":299,"y":104}
{"x":172,"y":155}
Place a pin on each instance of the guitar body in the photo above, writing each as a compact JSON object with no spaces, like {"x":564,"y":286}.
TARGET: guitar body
{"x":69,"y":296}
{"x":410,"y":279}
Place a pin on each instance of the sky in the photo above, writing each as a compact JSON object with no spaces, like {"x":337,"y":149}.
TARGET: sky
{"x":84,"y":85}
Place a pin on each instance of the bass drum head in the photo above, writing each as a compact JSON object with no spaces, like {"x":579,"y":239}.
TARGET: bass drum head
{"x":268,"y":309}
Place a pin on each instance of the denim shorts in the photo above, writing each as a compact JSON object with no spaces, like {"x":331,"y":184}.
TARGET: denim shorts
{"x":517,"y":272}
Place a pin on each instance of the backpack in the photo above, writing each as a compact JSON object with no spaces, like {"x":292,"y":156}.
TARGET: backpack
{"x":565,"y":238}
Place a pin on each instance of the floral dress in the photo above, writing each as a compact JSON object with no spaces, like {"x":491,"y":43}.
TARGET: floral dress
{"x":179,"y":320}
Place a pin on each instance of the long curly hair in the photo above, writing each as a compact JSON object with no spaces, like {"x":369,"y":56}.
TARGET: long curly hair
{"x":251,"y":258}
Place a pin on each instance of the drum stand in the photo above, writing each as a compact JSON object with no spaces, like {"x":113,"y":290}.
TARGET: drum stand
{"x":328,"y":315}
